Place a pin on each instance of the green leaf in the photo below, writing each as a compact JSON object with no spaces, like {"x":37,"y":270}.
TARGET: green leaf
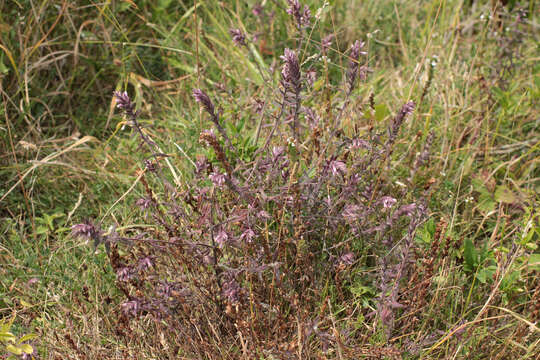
{"x":6,"y":336}
{"x":534,"y":262}
{"x":3,"y":68}
{"x":62,"y":230}
{"x":478,"y":185}
{"x":486,"y":273}
{"x":317,"y":85}
{"x":425,"y":235}
{"x":381,"y":112}
{"x":42,"y":229}
{"x":14,"y":349}
{"x":28,"y":337}
{"x":511,"y":279}
{"x":6,"y":325}
{"x":26,"y":348}
{"x":470,"y":255}
{"x":486,"y":203}
{"x":164,"y":4}
{"x":481,"y":276}
{"x":505,"y":195}
{"x":359,"y":290}
{"x":25,"y":304}
{"x":123,"y":6}
{"x":180,"y":65}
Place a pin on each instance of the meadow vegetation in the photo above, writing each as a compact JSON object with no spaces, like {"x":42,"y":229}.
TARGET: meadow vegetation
{"x":273,"y":179}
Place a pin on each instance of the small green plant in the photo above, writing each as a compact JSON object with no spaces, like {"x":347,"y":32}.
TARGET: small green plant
{"x":10,"y":346}
{"x":478,"y":261}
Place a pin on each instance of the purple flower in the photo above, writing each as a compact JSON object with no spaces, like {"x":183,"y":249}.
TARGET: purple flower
{"x":337,"y":167}
{"x":263,"y":215}
{"x":131,"y":307}
{"x":277,"y":151}
{"x":238,"y":37}
{"x":222,"y":237}
{"x":386,"y":314}
{"x":85,"y":230}
{"x":352,"y":212}
{"x":201,"y":97}
{"x":257,"y":10}
{"x":201,"y":164}
{"x":405,"y":110}
{"x":125,"y":273}
{"x":124,"y":102}
{"x":347,"y":258}
{"x":387,"y":201}
{"x":231,"y":291}
{"x":217,"y":179}
{"x":258,"y":106}
{"x":352,"y":71}
{"x":311,"y":76}
{"x":302,"y":16}
{"x":407,"y":210}
{"x":326,"y":42}
{"x":312,"y":118}
{"x":359,"y":144}
{"x":145,"y":263}
{"x":247,"y":236}
{"x":290,"y":70}
{"x":144,"y":203}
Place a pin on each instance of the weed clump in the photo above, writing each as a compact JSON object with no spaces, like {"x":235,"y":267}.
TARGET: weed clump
{"x":258,"y":253}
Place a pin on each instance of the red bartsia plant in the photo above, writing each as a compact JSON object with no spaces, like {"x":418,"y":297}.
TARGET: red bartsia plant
{"x":240,"y":258}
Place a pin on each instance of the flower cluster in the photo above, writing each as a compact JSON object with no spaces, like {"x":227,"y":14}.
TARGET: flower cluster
{"x":238,"y":37}
{"x":302,"y":15}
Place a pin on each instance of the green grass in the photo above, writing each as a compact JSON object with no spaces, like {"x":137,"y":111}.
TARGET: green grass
{"x":60,"y":64}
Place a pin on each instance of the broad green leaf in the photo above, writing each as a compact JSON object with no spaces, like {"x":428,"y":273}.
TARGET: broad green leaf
{"x":478,"y":185}
{"x":486,"y":203}
{"x":381,"y":112}
{"x":42,"y":229}
{"x":505,"y":195}
{"x":26,"y":348}
{"x":14,"y":349}
{"x":486,"y":273}
{"x":509,"y":280}
{"x":6,"y":336}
